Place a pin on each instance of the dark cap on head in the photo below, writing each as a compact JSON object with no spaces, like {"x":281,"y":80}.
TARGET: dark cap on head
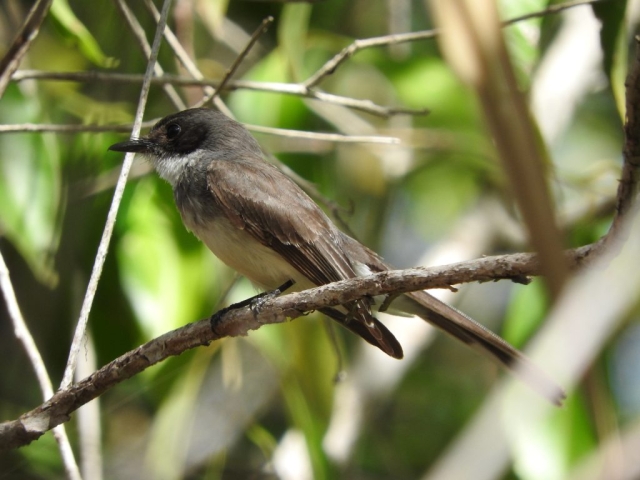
{"x":197,"y":128}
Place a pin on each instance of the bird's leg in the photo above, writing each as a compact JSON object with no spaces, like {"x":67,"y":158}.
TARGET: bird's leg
{"x":254,"y":303}
{"x":387,"y":301}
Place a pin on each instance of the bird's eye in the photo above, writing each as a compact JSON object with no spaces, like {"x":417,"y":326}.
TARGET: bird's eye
{"x":173,"y":130}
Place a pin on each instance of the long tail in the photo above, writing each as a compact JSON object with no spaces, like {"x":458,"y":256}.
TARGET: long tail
{"x":372,"y":331}
{"x":456,"y":324}
{"x":460,"y":326}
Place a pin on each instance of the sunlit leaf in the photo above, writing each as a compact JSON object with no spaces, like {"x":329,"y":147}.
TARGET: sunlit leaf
{"x":292,"y":34}
{"x":525,"y":313}
{"x":614,"y":40}
{"x":166,"y":286}
{"x":30,"y":186}
{"x":77,"y":32}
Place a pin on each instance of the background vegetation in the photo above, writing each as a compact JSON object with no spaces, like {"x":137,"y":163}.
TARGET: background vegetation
{"x":268,"y":405}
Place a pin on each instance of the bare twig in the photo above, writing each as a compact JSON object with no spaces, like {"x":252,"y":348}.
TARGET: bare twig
{"x":139,"y":34}
{"x":293,"y":89}
{"x":60,"y":128}
{"x":330,"y":137}
{"x":18,"y":49}
{"x":628,"y":186}
{"x":304,"y":89}
{"x":264,"y":26}
{"x":239,"y":322}
{"x":113,"y":210}
{"x":178,"y":50}
{"x":24,"y":336}
{"x":357,"y":104}
{"x":553,"y":9}
{"x":324,"y":137}
{"x":332,"y":65}
{"x":187,"y":62}
{"x":21,"y":331}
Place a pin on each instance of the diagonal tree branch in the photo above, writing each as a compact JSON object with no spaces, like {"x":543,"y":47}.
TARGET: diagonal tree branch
{"x":629,"y":181}
{"x":233,"y":323}
{"x":141,"y":38}
{"x":294,"y":89}
{"x":22,"y":42}
{"x":261,"y":30}
{"x":23,"y":334}
{"x":386,"y":40}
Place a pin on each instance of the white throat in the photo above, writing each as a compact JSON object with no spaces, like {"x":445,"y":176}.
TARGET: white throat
{"x":171,"y":168}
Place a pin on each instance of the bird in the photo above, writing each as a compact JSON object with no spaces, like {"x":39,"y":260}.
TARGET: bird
{"x":259,"y":222}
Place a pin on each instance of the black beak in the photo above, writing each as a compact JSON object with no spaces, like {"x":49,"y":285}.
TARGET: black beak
{"x":136,"y":145}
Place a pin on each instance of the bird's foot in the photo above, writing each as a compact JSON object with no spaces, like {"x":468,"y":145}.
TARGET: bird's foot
{"x":387,"y":302}
{"x":255,"y":303}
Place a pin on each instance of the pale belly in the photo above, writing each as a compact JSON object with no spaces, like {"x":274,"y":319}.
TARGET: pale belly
{"x":240,"y":251}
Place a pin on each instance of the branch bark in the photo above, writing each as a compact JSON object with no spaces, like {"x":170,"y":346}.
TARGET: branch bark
{"x":20,"y":46}
{"x":233,"y":323}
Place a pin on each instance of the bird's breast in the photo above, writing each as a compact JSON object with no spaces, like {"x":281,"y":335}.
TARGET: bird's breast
{"x":242,"y":252}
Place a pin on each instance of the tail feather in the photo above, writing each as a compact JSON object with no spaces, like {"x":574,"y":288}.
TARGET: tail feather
{"x":460,"y":326}
{"x":456,"y":324}
{"x":373,"y":331}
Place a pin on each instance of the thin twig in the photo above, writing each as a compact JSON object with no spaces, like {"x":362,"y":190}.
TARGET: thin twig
{"x":303,"y":90}
{"x":113,"y":210}
{"x":332,"y":65}
{"x":187,"y":62}
{"x":21,"y":331}
{"x":140,"y":35}
{"x":23,"y":335}
{"x":8,"y":65}
{"x":630,"y":177}
{"x":324,"y":137}
{"x":553,"y":9}
{"x":367,"y":106}
{"x":178,"y":50}
{"x":62,"y":128}
{"x":21,"y":43}
{"x":329,"y":137}
{"x":294,"y":89}
{"x":264,"y":26}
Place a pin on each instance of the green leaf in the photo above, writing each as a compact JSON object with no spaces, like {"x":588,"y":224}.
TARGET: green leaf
{"x":526,"y":312}
{"x":613,"y":38}
{"x":292,"y":36}
{"x":522,"y":38}
{"x":75,"y":31}
{"x":166,"y":286}
{"x":30,"y":187}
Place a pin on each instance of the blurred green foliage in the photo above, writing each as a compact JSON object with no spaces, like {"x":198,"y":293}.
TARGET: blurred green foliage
{"x":225,"y":411}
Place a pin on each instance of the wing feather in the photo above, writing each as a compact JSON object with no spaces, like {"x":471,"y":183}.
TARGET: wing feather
{"x":304,"y":236}
{"x":299,"y":235}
